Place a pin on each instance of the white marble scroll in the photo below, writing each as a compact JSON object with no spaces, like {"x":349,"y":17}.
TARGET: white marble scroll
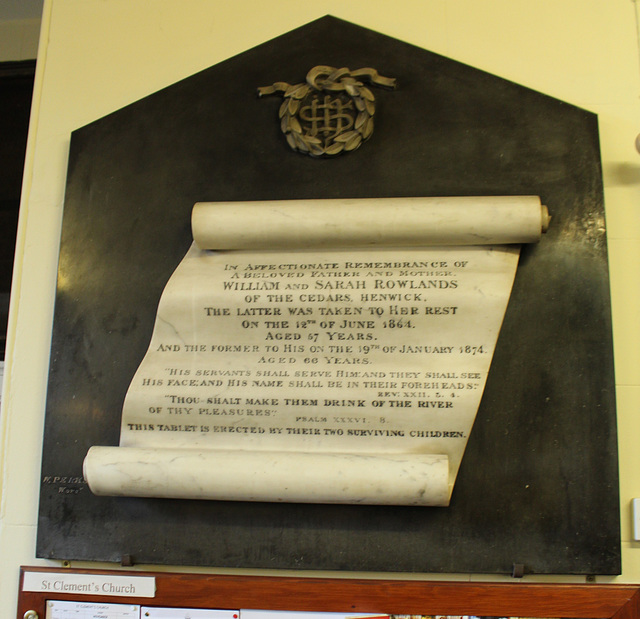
{"x":327,"y":374}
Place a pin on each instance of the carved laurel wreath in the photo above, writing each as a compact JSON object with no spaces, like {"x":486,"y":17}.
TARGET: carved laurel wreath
{"x":329,"y":79}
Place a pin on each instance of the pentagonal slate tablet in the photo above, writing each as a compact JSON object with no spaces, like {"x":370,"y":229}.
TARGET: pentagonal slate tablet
{"x":538,"y":485}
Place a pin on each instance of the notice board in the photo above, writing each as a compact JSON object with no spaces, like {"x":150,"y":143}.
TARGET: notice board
{"x":166,"y":594}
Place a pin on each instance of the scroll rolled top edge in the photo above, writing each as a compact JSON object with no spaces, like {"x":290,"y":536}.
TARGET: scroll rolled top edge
{"x":369,"y":222}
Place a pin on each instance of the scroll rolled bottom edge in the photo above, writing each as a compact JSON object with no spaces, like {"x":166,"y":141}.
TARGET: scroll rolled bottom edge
{"x":269,"y":476}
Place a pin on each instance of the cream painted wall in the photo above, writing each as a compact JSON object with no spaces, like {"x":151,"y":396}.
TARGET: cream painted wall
{"x":19,"y":39}
{"x":96,"y":56}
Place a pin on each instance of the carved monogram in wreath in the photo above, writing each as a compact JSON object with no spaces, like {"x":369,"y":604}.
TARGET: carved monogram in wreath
{"x":332,"y":112}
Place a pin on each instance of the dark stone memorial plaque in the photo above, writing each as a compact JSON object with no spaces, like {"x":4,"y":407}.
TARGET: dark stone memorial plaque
{"x":538,"y":484}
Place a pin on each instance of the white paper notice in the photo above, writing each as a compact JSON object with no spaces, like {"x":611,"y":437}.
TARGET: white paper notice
{"x":292,"y":614}
{"x":322,"y":375}
{"x":154,"y":612}
{"x":89,"y":610}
